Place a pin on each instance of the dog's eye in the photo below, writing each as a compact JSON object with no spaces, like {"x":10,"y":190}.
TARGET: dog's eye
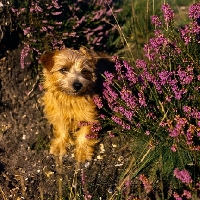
{"x":86,"y":74}
{"x":63,"y":70}
{"x":84,"y":71}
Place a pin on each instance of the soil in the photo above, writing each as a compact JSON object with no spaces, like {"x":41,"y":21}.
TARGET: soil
{"x":27,"y":170}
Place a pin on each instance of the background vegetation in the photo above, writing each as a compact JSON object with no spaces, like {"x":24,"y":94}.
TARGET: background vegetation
{"x":155,"y":99}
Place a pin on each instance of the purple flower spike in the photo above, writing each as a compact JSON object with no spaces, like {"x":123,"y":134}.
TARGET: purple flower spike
{"x":155,"y":20}
{"x":194,"y":11}
{"x":168,"y":13}
{"x":183,"y":175}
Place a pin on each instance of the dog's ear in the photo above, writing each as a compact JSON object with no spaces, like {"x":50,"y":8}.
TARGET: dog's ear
{"x":89,"y":53}
{"x":47,"y":60}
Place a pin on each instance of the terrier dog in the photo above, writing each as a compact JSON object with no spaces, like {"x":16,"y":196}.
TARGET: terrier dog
{"x":70,"y":85}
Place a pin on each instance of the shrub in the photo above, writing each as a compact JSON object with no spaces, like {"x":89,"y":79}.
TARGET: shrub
{"x":156,"y":102}
{"x":55,"y":24}
{"x":135,"y":19}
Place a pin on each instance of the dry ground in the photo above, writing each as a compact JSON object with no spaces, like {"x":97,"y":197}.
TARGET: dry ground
{"x":27,"y":170}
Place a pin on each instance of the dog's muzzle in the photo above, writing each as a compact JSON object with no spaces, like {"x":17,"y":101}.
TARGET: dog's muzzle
{"x":77,"y":85}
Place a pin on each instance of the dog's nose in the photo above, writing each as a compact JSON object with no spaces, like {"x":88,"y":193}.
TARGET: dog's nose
{"x":77,"y":85}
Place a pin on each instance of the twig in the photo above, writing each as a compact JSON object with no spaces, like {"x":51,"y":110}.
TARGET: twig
{"x":59,"y":169}
{"x":3,"y":194}
{"x":126,"y":176}
{"x":34,"y":85}
{"x":74,"y":183}
{"x":41,"y":188}
{"x":120,"y":31}
{"x":23,"y":186}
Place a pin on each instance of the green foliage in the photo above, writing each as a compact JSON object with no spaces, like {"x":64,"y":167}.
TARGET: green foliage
{"x":156,"y":102}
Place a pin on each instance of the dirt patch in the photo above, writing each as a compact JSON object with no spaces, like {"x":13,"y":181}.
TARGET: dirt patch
{"x":27,"y":170}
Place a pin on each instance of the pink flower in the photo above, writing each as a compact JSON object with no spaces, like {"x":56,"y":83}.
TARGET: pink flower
{"x":187,"y":194}
{"x":96,"y":127}
{"x":111,"y":135}
{"x":179,"y":127}
{"x":24,"y":54}
{"x":183,"y":176}
{"x":141,"y":99}
{"x":120,"y":122}
{"x":186,"y":34}
{"x":91,"y":136}
{"x":40,"y":87}
{"x":38,"y":8}
{"x":49,"y":7}
{"x":44,"y":21}
{"x":174,"y":148}
{"x":147,"y":133}
{"x":50,"y":27}
{"x":102,"y":116}
{"x":194,"y":11}
{"x":58,"y":23}
{"x":43,"y":29}
{"x":98,"y":101}
{"x":55,"y":4}
{"x":16,"y":11}
{"x":176,"y":196}
{"x":185,"y":76}
{"x":140,"y":64}
{"x":146,"y":183}
{"x":168,"y":12}
{"x":155,"y":20}
{"x":56,"y":13}
{"x":27,"y":30}
{"x":35,"y":8}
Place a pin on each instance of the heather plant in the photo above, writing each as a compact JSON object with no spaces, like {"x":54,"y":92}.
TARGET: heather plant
{"x":135,"y":19}
{"x":155,"y":102}
{"x":53,"y":24}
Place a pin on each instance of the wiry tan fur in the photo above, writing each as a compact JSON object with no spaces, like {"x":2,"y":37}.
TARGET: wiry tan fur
{"x":65,"y":107}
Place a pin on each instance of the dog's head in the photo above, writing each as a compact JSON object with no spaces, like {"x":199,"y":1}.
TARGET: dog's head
{"x":70,"y":71}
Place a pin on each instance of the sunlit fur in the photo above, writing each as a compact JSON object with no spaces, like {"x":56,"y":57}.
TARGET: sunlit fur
{"x":64,"y":106}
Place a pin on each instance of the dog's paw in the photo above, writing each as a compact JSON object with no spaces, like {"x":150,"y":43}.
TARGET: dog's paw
{"x":57,"y":149}
{"x":83,"y":154}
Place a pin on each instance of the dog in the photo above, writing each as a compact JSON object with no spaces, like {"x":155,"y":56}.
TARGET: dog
{"x":70,"y":83}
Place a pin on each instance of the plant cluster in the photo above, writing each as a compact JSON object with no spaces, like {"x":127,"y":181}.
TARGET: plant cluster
{"x":156,"y":102}
{"x":53,"y":24}
{"x":136,"y":20}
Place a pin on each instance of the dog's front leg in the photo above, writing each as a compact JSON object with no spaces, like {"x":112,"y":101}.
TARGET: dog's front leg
{"x":84,"y":144}
{"x":60,"y":141}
